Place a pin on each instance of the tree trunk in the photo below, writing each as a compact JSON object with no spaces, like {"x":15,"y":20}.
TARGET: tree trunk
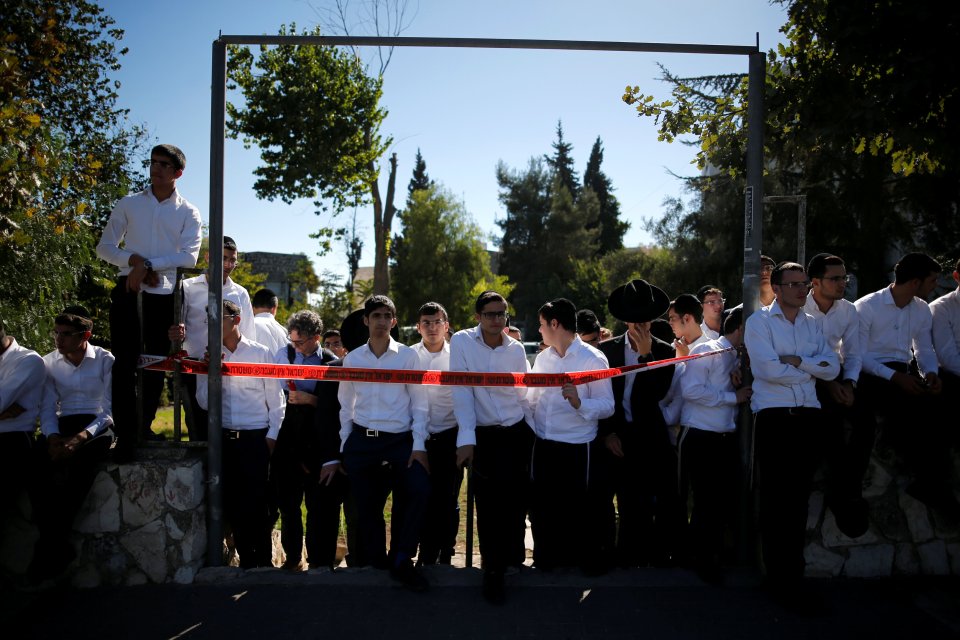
{"x":383,"y":213}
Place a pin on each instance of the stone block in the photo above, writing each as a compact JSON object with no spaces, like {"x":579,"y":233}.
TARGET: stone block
{"x":833,"y":537}
{"x":86,"y":577}
{"x":821,"y":563}
{"x":878,"y":480}
{"x":135,"y":579}
{"x":184,"y":487}
{"x":173,"y":530}
{"x":953,"y":551}
{"x":933,"y":558}
{"x":917,"y":517}
{"x":906,"y":562}
{"x":193,"y":545}
{"x":887,"y":518}
{"x":869,"y":562}
{"x":147,"y":545}
{"x":141,"y":494}
{"x":212,"y":575}
{"x":100,"y":512}
{"x":814,"y":510}
{"x":185,"y":575}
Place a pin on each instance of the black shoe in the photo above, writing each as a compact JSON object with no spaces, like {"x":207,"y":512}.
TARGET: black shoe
{"x":493,"y":591}
{"x":410,"y":577}
{"x":152,"y":436}
{"x":852,"y":516}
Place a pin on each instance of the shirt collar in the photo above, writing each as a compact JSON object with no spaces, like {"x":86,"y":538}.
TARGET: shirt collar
{"x":10,"y":349}
{"x":887,"y":296}
{"x":444,"y":349}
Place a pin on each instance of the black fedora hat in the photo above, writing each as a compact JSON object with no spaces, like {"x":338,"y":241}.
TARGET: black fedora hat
{"x":354,"y":333}
{"x":637,"y":301}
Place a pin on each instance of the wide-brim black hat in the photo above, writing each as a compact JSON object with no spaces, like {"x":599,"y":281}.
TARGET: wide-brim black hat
{"x":637,"y":301}
{"x":354,"y":333}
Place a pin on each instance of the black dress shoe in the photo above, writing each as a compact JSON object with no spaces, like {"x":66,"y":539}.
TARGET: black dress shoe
{"x":410,"y":577}
{"x":493,"y":591}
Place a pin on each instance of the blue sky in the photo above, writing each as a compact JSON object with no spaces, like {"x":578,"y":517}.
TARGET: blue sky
{"x":464,"y":109}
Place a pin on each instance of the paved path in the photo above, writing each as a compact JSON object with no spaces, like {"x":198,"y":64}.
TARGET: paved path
{"x":651,"y":603}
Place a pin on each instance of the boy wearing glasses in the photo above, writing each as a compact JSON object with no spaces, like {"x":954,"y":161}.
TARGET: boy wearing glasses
{"x":788,"y":353}
{"x":495,"y":436}
{"x":253,"y":411}
{"x":192,"y":331}
{"x":711,"y":299}
{"x":159,"y":231}
{"x":846,"y":459}
{"x":75,"y":421}
{"x":439,"y":536}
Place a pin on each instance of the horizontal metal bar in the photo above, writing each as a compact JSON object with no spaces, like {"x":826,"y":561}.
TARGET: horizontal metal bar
{"x":493,"y":43}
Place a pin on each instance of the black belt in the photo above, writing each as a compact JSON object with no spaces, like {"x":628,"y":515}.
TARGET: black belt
{"x":500,"y":426}
{"x":376,"y":433}
{"x":240,"y":434}
{"x":793,"y":411}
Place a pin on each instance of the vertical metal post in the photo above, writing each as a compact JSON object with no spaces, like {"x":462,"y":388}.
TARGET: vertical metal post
{"x":218,"y":86}
{"x":138,"y":437}
{"x":470,"y":500}
{"x":752,"y":248}
{"x":802,"y":230}
{"x":177,"y":375}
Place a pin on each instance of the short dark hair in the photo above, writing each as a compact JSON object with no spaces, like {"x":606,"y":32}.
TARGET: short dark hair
{"x":706,"y":290}
{"x":661,"y":330}
{"x":687,"y":304}
{"x":75,"y":316}
{"x":767,"y":260}
{"x":172,"y":153}
{"x":373,"y":303}
{"x":486,"y":298}
{"x":776,"y":277}
{"x":587,"y":322}
{"x":561,"y":310}
{"x":733,"y":321}
{"x":432,"y":308}
{"x":914,"y":266}
{"x":231,"y":308}
{"x":229,"y":243}
{"x":306,"y":323}
{"x":818,"y":264}
{"x":265,"y":299}
{"x":331,"y":333}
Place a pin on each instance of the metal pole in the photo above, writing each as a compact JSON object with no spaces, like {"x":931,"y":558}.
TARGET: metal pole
{"x":177,"y":375}
{"x":802,"y":231}
{"x":214,"y":305}
{"x":138,"y":437}
{"x":752,"y":247}
{"x":469,"y":542}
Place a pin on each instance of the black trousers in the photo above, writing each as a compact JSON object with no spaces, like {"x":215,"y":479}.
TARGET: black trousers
{"x":16,"y":470}
{"x":648,"y":524}
{"x":438,"y":538}
{"x":61,"y":486}
{"x":846,"y":438}
{"x":292,"y":485}
{"x":195,"y":414}
{"x":785,"y":461}
{"x":711,"y":462}
{"x":501,"y":481}
{"x":364,"y":458}
{"x":246,"y":461}
{"x":911,"y":426}
{"x":126,"y":347}
{"x":559,"y":512}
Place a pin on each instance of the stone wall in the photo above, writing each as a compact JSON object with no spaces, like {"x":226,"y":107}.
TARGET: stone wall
{"x":905,"y":536}
{"x":142,"y":522}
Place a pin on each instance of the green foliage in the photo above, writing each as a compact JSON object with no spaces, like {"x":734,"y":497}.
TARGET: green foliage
{"x":612,"y":228}
{"x":64,"y":150}
{"x":561,"y":163}
{"x":314,"y":114}
{"x":420,"y":180}
{"x":861,"y":118}
{"x":440,"y":255}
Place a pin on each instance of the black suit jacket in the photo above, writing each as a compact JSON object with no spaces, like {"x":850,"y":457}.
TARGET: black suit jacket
{"x":649,"y":388}
{"x":309,"y":434}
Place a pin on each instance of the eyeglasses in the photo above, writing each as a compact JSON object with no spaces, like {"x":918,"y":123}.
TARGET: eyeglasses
{"x":803,"y":284}
{"x":837,"y":278}
{"x":767,"y":268}
{"x":297,"y":342}
{"x":65,"y":334}
{"x":494,"y":315}
{"x":716,"y":303}
{"x":432,"y":323}
{"x":332,"y":345}
{"x":163,"y":164}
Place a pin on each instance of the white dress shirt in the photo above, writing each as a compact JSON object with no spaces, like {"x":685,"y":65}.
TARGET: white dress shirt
{"x":248,"y":403}
{"x":841,"y":329}
{"x":891,"y":334}
{"x":946,"y":330}
{"x":77,"y":390}
{"x":22,"y":375}
{"x":770,"y":335}
{"x":439,"y":397}
{"x":487,"y":406}
{"x":709,"y":400}
{"x":553,"y":417}
{"x":196,"y":293}
{"x":271,"y":333}
{"x":630,"y":358}
{"x":165,"y":233}
{"x":671,"y":404}
{"x":707,"y":331}
{"x":394,"y":408}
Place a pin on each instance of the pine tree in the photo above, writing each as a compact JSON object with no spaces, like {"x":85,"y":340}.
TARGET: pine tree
{"x":420,"y":179}
{"x":612,"y":228}
{"x":561,"y":164}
